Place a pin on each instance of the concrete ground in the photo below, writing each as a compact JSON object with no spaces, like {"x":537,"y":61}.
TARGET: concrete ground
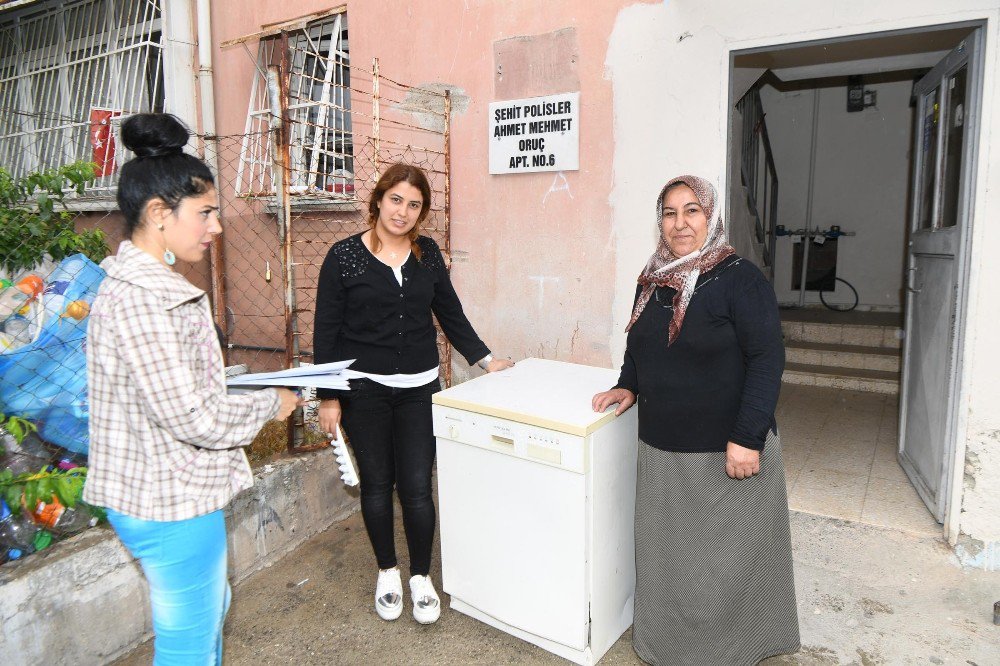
{"x":866,"y":595}
{"x":883,"y":591}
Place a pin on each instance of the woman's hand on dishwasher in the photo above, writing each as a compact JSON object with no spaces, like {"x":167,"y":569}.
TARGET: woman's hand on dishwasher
{"x":620,"y":396}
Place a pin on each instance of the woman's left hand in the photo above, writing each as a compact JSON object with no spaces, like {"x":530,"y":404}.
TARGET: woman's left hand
{"x":498,"y":364}
{"x":741,"y":462}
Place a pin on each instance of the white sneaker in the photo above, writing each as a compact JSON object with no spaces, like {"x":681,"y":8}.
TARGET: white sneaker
{"x":389,"y":594}
{"x":426,"y":603}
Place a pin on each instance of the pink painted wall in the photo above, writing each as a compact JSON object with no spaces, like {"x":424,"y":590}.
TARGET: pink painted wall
{"x":534,"y":255}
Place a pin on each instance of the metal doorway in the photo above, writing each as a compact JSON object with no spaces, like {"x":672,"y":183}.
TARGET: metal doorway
{"x":938,"y":223}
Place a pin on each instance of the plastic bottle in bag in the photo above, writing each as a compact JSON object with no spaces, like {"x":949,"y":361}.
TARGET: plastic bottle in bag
{"x":32,"y":445}
{"x":63,"y":520}
{"x":16,"y":532}
{"x":17,"y":330}
{"x":13,"y":297}
{"x":20,"y":464}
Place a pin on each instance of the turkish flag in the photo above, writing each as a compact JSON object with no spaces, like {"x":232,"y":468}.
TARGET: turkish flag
{"x":102,"y":139}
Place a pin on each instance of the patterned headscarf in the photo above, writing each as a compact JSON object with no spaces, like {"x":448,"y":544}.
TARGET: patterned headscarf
{"x":665,"y":269}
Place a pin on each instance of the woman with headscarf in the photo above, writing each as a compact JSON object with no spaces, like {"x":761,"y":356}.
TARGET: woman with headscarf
{"x":704,"y":359}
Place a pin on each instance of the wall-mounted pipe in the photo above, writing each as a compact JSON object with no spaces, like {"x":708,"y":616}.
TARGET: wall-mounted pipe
{"x":206,"y":90}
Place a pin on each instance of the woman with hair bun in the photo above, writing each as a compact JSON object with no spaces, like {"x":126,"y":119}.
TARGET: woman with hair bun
{"x":166,"y":440}
{"x":377,"y":291}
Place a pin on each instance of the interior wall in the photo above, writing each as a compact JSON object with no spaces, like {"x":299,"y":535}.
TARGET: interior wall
{"x":861,"y":180}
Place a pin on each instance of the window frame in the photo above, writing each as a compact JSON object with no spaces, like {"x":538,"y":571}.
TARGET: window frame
{"x":112,"y":67}
{"x":319,"y":110}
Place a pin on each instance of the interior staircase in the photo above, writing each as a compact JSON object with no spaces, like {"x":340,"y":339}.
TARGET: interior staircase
{"x":857,"y":351}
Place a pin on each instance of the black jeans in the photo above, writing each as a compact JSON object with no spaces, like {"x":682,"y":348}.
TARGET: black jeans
{"x":392,"y":435}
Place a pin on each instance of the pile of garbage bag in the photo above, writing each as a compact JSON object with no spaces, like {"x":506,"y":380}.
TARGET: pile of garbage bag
{"x":43,"y":366}
{"x":43,"y":380}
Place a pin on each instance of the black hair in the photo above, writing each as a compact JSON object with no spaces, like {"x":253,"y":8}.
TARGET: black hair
{"x":160,"y":169}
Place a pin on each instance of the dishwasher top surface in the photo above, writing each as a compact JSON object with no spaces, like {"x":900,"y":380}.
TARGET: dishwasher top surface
{"x":548,"y":394}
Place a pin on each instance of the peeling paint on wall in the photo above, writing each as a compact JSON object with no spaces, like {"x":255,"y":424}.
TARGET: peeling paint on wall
{"x":977,"y":554}
{"x":534,"y":65}
{"x":425,"y":104}
{"x":979,"y":541}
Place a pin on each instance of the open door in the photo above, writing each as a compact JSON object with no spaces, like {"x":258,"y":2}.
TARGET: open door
{"x":945,"y":132}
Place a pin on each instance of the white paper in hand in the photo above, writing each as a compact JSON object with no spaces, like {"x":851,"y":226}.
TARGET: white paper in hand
{"x":345,"y":461}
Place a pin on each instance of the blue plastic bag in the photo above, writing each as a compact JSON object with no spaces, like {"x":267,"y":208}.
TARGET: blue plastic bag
{"x":45,"y":381}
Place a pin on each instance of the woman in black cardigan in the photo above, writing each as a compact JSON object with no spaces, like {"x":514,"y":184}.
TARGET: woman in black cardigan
{"x":704,"y":359}
{"x":376,"y":294}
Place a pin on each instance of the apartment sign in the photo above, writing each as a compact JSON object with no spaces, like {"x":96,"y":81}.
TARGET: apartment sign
{"x":535,"y":134}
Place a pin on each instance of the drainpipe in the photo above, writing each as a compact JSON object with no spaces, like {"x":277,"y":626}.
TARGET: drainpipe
{"x":207,"y":93}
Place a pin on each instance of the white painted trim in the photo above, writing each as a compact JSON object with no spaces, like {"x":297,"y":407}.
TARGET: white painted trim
{"x":973,"y":291}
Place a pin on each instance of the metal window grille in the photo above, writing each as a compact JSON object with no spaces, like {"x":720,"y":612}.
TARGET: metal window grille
{"x":69,"y":72}
{"x":321,"y":140}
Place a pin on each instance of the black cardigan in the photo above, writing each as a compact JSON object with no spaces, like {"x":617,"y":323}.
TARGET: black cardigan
{"x":363,"y":313}
{"x":719,"y":381}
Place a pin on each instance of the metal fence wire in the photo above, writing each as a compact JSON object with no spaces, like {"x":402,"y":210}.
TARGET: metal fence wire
{"x":296,"y":182}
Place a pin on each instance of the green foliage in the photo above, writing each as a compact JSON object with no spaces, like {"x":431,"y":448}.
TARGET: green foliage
{"x":30,"y":224}
{"x":18,"y":428}
{"x":66,"y":485}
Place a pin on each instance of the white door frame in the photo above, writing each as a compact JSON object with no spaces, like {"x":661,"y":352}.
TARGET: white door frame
{"x":954,"y":462}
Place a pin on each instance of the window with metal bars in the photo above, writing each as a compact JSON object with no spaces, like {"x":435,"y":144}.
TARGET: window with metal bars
{"x":69,"y":72}
{"x":320,"y":136}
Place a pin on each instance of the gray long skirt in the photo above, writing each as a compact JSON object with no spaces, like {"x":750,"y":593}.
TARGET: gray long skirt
{"x":713,"y":555}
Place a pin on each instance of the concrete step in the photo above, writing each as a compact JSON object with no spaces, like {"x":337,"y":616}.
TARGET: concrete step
{"x":851,"y":379}
{"x":861,"y":335}
{"x":842,"y":356}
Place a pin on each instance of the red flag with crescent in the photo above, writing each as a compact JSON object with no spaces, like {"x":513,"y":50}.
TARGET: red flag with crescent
{"x":102,"y":140}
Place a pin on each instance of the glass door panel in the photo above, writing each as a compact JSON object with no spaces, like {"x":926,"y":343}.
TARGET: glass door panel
{"x":954,"y":140}
{"x":928,"y":162}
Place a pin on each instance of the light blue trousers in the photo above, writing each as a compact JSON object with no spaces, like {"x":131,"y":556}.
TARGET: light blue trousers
{"x":185,"y":566}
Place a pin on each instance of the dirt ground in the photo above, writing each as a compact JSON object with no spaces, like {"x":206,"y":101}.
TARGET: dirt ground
{"x":866,"y":596}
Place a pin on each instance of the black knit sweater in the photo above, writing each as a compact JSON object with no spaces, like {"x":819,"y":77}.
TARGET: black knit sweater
{"x":719,"y":381}
{"x":363,"y":313}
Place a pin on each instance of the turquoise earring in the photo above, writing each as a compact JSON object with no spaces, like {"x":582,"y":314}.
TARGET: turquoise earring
{"x":169,"y":258}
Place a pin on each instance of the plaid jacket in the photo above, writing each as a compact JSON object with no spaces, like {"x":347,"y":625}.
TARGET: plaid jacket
{"x":165,"y":438}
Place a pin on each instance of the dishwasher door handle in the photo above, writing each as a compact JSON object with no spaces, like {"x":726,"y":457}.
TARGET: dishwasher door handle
{"x":506,"y":442}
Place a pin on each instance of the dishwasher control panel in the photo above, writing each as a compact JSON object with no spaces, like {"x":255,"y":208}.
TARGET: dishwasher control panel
{"x":542,"y":445}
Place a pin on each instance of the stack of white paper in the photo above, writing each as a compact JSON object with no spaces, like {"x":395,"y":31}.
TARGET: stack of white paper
{"x":345,"y":461}
{"x":324,"y":375}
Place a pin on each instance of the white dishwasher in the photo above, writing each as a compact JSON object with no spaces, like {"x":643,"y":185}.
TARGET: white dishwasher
{"x":537,"y":497}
